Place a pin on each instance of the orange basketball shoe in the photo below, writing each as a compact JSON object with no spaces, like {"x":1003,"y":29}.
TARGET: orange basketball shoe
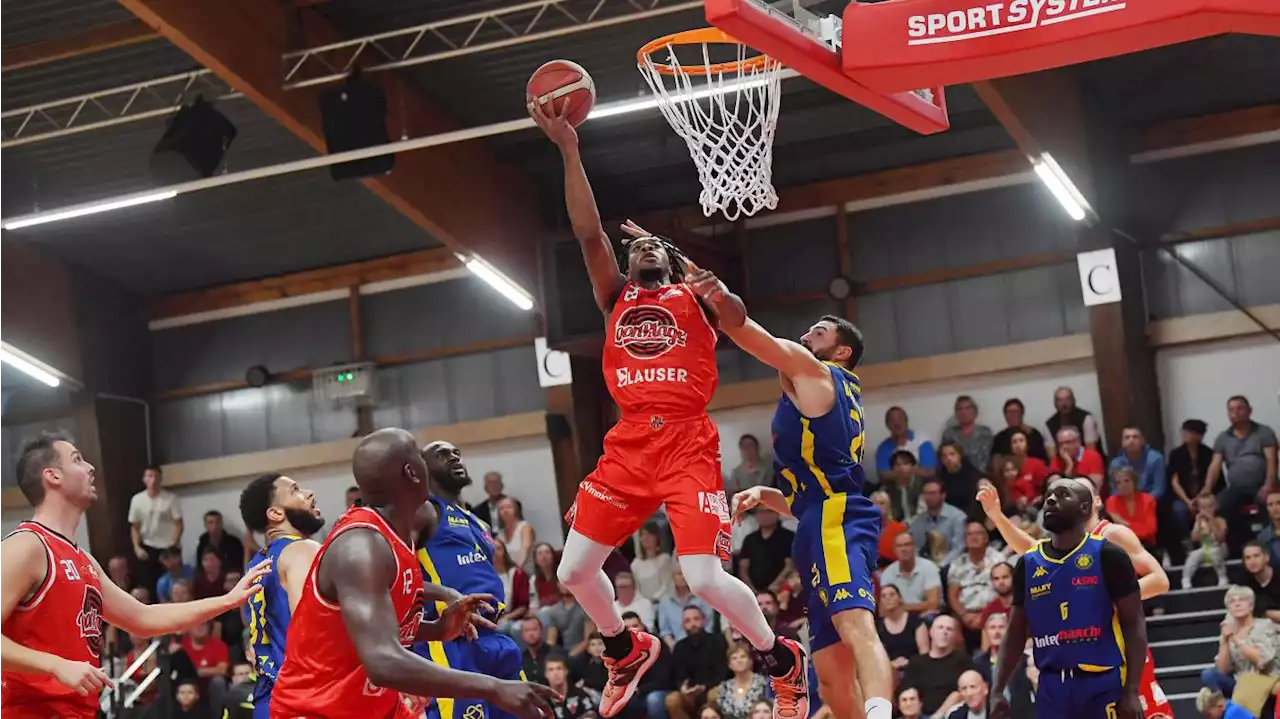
{"x":625,"y":673}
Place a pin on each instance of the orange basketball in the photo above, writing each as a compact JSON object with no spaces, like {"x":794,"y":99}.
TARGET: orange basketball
{"x":560,"y":82}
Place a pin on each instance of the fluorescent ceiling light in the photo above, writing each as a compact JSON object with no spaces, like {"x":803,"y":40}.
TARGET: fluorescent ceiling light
{"x":498,"y":281}
{"x":1063,"y":189}
{"x":29,"y":365}
{"x":90,"y":209}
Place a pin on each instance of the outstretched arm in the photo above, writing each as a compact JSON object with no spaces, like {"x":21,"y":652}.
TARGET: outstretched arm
{"x":1152,"y":580}
{"x":1018,"y":540}
{"x":789,"y":358}
{"x":602,"y":264}
{"x":119,"y":608}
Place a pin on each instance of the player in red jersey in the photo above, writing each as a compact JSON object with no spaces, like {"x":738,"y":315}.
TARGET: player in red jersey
{"x":56,"y":596}
{"x":660,"y":366}
{"x":1152,"y":580}
{"x":347,"y":655}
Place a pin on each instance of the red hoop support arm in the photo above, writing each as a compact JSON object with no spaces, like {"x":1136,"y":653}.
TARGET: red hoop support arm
{"x":752,"y":26}
{"x":898,"y":45}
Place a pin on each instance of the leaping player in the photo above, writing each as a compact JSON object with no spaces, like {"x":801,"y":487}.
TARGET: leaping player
{"x":1152,"y":580}
{"x":55,"y":595}
{"x":660,"y":366}
{"x":362,"y":606}
{"x":287,"y":515}
{"x":817,"y":448}
{"x":456,"y":552}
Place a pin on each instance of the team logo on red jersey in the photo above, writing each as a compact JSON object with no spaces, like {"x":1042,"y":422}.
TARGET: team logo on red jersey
{"x":412,"y":618}
{"x":90,"y":619}
{"x":648,"y":331}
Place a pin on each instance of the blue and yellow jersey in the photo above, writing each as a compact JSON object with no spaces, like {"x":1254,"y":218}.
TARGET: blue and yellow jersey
{"x":1070,"y":613}
{"x":460,"y":554}
{"x":819,"y":457}
{"x":268,"y":618}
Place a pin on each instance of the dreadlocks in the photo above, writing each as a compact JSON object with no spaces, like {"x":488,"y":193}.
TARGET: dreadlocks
{"x":679,"y":260}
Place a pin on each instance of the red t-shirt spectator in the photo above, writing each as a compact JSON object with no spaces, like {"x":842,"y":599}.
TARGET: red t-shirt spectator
{"x":1088,"y":463}
{"x":890,"y":531}
{"x":1030,"y":481}
{"x":996,"y":607}
{"x":1141,"y":519}
{"x":519,"y":590}
{"x":548,"y":590}
{"x":210,"y":654}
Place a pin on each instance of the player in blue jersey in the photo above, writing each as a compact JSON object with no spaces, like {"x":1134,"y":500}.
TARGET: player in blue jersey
{"x":818,"y":447}
{"x":456,"y":552}
{"x":287,"y":514}
{"x":1077,"y":596}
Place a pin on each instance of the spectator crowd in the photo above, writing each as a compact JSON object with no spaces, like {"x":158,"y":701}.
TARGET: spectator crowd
{"x":944,"y":585}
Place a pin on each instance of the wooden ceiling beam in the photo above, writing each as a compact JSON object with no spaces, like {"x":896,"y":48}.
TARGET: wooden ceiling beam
{"x":459,"y":193}
{"x":82,"y":43}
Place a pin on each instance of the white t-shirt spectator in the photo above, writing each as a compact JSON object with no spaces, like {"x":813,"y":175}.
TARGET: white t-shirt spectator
{"x":655,"y":576}
{"x":641,"y":606}
{"x":155,"y":517}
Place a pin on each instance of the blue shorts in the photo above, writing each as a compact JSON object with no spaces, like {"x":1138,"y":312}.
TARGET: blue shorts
{"x":262,"y":707}
{"x":492,"y":654}
{"x":835,"y":551}
{"x":1078,"y":695}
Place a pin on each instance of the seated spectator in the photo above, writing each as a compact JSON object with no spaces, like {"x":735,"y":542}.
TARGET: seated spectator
{"x":1002,"y":583}
{"x":903,"y":484}
{"x":735,"y":696}
{"x":902,"y":633}
{"x":1213,"y":705}
{"x":512,"y":529}
{"x":1269,"y":537}
{"x":766,"y":552}
{"x":1027,"y":488}
{"x":1247,"y":646}
{"x":1067,"y":414}
{"x":211,"y":577}
{"x":917,"y":579}
{"x":958,"y":475}
{"x":651,"y":696}
{"x":215,"y":537}
{"x":587,"y":669}
{"x":937,"y":673}
{"x":1015,"y":423}
{"x":670,"y":611}
{"x":544,"y":585}
{"x":975,"y":440}
{"x":699,"y":663}
{"x":890,"y":528}
{"x":182,"y":591}
{"x":516,"y":589}
{"x":790,"y":594}
{"x":768,"y":603}
{"x":118,"y":570}
{"x":230,"y":624}
{"x":903,"y":439}
{"x":1133,"y":509}
{"x":536,"y":648}
{"x":973,"y":696}
{"x":753,"y":471}
{"x":1187,"y":466}
{"x":909,"y":703}
{"x":992,"y":635}
{"x":1145,"y":460}
{"x":239,"y":701}
{"x":653,"y":567}
{"x":211,"y":659}
{"x":575,"y":703}
{"x":1209,"y":539}
{"x":629,"y":600}
{"x":189,"y":705}
{"x":173,"y":570}
{"x":1264,"y":580}
{"x":969,"y":587}
{"x":1073,"y":459}
{"x":568,"y":625}
{"x":939,"y":518}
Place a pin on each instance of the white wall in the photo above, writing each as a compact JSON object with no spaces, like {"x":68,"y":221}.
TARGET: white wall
{"x":1196,"y":380}
{"x":525,"y":465}
{"x":10,"y":518}
{"x":930,"y":404}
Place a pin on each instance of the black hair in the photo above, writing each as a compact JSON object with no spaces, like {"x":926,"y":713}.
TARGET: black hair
{"x":194,"y":683}
{"x":749,"y":437}
{"x":1015,"y":402}
{"x":770,"y":592}
{"x":353,"y":488}
{"x":558,"y":656}
{"x":694,"y":608}
{"x":1239,"y":398}
{"x":36,"y":456}
{"x":1195,"y":425}
{"x":679,"y":260}
{"x":1002,"y":564}
{"x":256,"y":499}
{"x":626,"y":616}
{"x":1253,"y":543}
{"x":850,"y":336}
{"x":942,"y":486}
{"x":170,"y":552}
{"x":966,"y":398}
{"x":213,"y":513}
{"x":904,"y":456}
{"x":891,"y":410}
{"x":153,"y":468}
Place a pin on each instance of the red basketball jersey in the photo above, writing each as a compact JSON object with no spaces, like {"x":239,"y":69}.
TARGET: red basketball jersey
{"x":322,"y":677}
{"x":63,"y":618}
{"x":660,"y":355}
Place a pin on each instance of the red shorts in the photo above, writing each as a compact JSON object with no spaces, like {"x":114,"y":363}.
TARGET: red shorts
{"x":1155,"y":705}
{"x":652,"y":461}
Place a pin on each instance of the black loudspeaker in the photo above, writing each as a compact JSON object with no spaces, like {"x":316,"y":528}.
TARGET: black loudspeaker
{"x":193,"y":144}
{"x":558,"y":427}
{"x":355,"y":116}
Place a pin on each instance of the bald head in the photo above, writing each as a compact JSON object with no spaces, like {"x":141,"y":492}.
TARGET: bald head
{"x":387,"y":465}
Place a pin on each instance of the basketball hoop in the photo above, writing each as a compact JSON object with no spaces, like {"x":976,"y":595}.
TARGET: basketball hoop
{"x":727,"y":117}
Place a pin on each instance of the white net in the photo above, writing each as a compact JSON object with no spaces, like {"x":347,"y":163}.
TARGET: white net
{"x":727,"y":118}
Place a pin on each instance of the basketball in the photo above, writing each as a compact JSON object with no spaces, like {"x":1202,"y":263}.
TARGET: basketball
{"x":560,"y":82}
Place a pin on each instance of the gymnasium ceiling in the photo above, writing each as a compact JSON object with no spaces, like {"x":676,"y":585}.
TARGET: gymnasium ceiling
{"x":306,"y":220}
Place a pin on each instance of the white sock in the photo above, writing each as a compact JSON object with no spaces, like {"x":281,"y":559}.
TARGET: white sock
{"x":878,"y":708}
{"x":581,"y":569}
{"x":729,"y":596}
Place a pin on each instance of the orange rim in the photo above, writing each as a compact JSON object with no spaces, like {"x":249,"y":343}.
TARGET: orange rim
{"x":701,"y":36}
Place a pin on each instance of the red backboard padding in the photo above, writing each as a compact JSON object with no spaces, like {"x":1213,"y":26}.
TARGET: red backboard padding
{"x":902,"y":44}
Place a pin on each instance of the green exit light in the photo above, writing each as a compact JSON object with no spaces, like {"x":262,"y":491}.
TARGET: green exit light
{"x":346,"y":376}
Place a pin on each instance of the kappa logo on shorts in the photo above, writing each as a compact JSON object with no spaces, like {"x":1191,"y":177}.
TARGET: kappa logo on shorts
{"x":843,"y":594}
